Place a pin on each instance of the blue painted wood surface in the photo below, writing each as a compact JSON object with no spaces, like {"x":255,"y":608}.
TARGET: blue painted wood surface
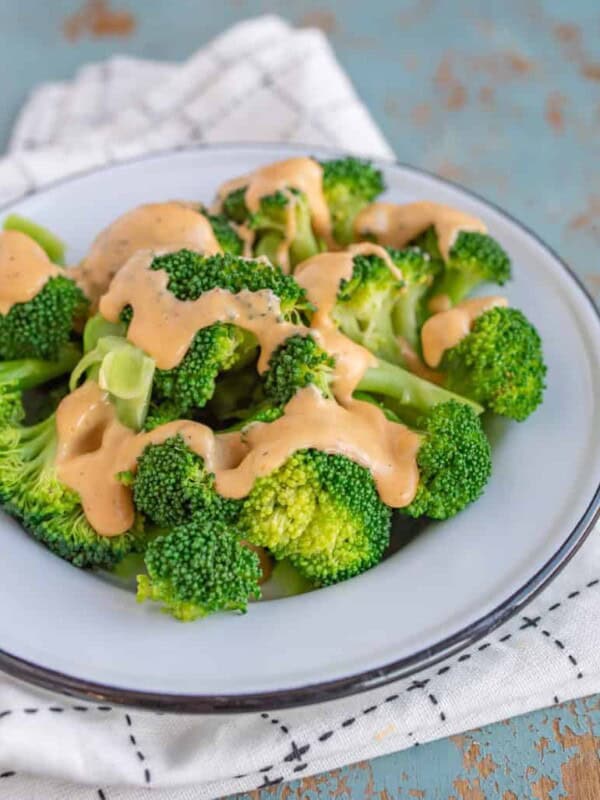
{"x":503,"y":97}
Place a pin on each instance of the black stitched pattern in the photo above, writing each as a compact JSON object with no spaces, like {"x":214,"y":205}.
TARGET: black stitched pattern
{"x":421,"y":683}
{"x":140,"y":756}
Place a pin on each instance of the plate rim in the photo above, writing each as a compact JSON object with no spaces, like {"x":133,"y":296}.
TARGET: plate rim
{"x":63,"y":683}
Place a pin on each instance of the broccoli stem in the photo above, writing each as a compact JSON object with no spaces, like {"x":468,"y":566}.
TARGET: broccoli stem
{"x":343,"y":224}
{"x":268,"y":245}
{"x":97,"y":328}
{"x":26,"y":373}
{"x":391,"y":381}
{"x":54,"y":247}
{"x":456,"y":284}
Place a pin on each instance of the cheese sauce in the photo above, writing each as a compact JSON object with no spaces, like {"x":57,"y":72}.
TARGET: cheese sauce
{"x":155,"y":225}
{"x":396,"y":225}
{"x":24,"y":269}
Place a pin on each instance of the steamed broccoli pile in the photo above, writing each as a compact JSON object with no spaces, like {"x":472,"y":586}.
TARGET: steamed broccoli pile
{"x":316,"y":518}
{"x":349,"y":184}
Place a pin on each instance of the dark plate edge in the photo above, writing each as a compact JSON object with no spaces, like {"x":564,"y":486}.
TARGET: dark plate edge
{"x":342,"y":687}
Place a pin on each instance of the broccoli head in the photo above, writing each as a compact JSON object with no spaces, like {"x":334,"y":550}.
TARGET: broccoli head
{"x":296,"y":363}
{"x":31,"y":492}
{"x":349,"y":185}
{"x":365,"y":305}
{"x":454,"y":461}
{"x":40,"y":327}
{"x":171,"y":484}
{"x":17,"y":376}
{"x":499,"y":364}
{"x":270,"y":223}
{"x":221,"y":347}
{"x":419,"y":271}
{"x":199,"y":568}
{"x":322,"y":512}
{"x":475,"y":258}
{"x":191,"y":384}
{"x":226,"y":235}
{"x":234,"y":206}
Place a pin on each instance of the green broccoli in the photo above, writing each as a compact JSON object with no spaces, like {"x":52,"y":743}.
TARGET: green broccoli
{"x":296,"y":363}
{"x":349,"y":185}
{"x":221,"y":347}
{"x":234,"y":206}
{"x":19,"y":375}
{"x":171,"y":484}
{"x":499,"y":364}
{"x":40,"y":327}
{"x":226,"y":235}
{"x":365,"y":304}
{"x":418,"y":273}
{"x":270,"y":223}
{"x":321,"y":512}
{"x":198,"y":568}
{"x":474,"y":258}
{"x":299,"y":361}
{"x":31,"y":491}
{"x":454,"y":461}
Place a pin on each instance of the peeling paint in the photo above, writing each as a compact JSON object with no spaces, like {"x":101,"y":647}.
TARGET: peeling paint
{"x":421,"y":114}
{"x":468,"y":790}
{"x":541,"y":789}
{"x":323,"y":19}
{"x":541,"y":746}
{"x":97,"y":19}
{"x":554,"y":114}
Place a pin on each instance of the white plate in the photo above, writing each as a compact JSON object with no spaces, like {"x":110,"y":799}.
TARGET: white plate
{"x":71,"y":631}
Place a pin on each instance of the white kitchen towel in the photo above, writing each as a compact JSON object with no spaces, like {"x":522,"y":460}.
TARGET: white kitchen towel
{"x":261,"y":80}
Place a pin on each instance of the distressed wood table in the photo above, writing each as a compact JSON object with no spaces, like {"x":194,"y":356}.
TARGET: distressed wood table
{"x":503,"y":97}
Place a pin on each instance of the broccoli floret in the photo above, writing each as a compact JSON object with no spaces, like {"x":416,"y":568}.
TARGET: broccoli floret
{"x":40,"y":327}
{"x":300,"y":362}
{"x":270,"y":224}
{"x":321,"y":512}
{"x":32,"y":492}
{"x":499,"y":364}
{"x":234,"y":206}
{"x":161,"y":413}
{"x":349,"y":185}
{"x":171,"y":484}
{"x":190,"y":384}
{"x":225,"y":234}
{"x":365,"y":305}
{"x":199,"y":568}
{"x":296,"y":363}
{"x":474,"y":258}
{"x":21,"y":374}
{"x":454,"y":461}
{"x":191,"y":274}
{"x":418,"y":273}
{"x":222,"y":346}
